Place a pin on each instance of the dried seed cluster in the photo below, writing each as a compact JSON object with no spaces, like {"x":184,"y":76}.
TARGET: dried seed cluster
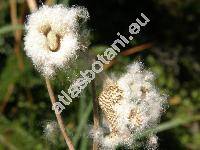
{"x":130,"y":104}
{"x":107,"y":99}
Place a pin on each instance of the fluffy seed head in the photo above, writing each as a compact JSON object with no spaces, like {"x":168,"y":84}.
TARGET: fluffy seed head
{"x":54,"y":36}
{"x":51,"y":131}
{"x":130,"y":104}
{"x":152,"y":142}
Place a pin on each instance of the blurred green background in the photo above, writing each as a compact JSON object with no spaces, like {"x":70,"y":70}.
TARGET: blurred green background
{"x":168,"y":45}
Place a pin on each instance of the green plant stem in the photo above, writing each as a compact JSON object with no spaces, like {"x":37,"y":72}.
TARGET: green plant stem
{"x":169,"y":125}
{"x":82,"y":123}
{"x":96,"y":116}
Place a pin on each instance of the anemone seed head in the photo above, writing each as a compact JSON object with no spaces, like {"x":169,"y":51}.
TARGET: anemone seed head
{"x":131,"y":104}
{"x":53,"y":37}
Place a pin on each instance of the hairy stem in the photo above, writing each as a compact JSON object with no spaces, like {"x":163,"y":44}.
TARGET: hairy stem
{"x":58,"y":116}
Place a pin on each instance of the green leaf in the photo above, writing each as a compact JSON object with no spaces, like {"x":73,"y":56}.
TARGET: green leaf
{"x":9,"y":28}
{"x":10,"y":75}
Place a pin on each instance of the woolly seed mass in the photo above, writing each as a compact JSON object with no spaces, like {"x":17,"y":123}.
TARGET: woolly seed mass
{"x":54,"y":36}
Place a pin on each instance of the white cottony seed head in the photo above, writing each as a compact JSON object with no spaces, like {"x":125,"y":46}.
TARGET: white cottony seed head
{"x":131,"y":104}
{"x":51,"y":131}
{"x":54,"y":38}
